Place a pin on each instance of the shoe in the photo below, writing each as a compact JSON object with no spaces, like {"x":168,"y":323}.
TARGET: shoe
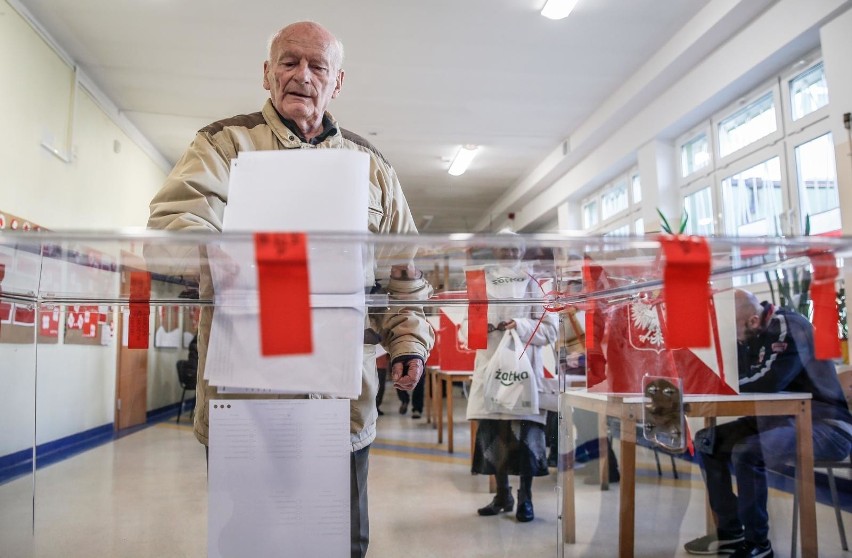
{"x":498,"y":505}
{"x":712,"y":544}
{"x":525,"y":508}
{"x":381,"y":413}
{"x":403,"y":408}
{"x":748,"y":549}
{"x":416,"y":414}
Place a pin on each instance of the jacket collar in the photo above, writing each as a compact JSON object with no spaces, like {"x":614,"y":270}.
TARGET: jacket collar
{"x":290,"y":135}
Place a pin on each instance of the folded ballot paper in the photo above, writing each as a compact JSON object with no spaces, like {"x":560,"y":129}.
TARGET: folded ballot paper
{"x":300,"y":190}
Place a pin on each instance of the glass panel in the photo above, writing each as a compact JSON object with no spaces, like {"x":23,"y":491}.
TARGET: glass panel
{"x":747,"y":125}
{"x":639,"y":226}
{"x":817,"y":179}
{"x":614,"y":200}
{"x":637,"y":188}
{"x":699,"y":208}
{"x":808,"y":91}
{"x":119,"y":471}
{"x":753,"y":200}
{"x":590,"y":214}
{"x":694,"y":155}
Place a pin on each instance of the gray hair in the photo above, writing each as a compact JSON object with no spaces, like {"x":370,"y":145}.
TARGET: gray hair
{"x":338,"y":59}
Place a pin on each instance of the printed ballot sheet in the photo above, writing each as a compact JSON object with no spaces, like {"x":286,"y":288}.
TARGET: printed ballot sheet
{"x":293,"y":191}
{"x":278,"y":479}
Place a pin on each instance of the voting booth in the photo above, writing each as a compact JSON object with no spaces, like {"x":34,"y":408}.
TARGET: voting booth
{"x":283,"y":318}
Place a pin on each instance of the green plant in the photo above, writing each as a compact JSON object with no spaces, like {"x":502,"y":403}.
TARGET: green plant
{"x":793,"y":285}
{"x":664,"y":223}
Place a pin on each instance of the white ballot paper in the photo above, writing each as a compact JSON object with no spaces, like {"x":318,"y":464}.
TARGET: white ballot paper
{"x":300,"y":190}
{"x":278,"y":479}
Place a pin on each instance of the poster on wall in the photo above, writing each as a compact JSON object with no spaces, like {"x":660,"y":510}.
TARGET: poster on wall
{"x":167,"y":331}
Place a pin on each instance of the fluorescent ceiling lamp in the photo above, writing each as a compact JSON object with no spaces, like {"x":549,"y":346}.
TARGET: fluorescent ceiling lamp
{"x":558,"y":9}
{"x":462,"y":160}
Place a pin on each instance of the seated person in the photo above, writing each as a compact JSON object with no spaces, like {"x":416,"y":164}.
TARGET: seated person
{"x":776,"y":353}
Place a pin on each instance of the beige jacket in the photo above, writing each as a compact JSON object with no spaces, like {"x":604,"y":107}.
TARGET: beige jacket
{"x":194,"y":198}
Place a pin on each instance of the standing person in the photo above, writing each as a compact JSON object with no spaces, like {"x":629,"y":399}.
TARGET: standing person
{"x":511,"y":444}
{"x":303,"y":74}
{"x":776,"y":353}
{"x":414,"y":397}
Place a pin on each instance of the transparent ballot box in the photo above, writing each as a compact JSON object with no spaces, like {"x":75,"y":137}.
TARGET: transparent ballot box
{"x":191,"y":394}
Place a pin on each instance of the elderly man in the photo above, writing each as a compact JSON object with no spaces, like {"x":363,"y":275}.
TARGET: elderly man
{"x":776,"y":353}
{"x":303,"y":74}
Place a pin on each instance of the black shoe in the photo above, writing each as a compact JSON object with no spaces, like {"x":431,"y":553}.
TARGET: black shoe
{"x":498,"y":505}
{"x":713,"y":544}
{"x":525,"y":508}
{"x":381,"y":413}
{"x":415,"y":414}
{"x":403,"y":408}
{"x":748,"y":549}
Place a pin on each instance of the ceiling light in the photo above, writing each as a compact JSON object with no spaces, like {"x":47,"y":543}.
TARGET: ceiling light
{"x":462,"y":159}
{"x":558,"y":9}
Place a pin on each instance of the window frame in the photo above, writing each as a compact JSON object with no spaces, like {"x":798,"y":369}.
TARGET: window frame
{"x":802,"y":66}
{"x":756,"y":94}
{"x":705,"y":128}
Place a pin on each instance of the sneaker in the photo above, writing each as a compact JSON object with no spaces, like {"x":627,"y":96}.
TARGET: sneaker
{"x":748,"y":549}
{"x":415,"y":414}
{"x":711,"y":544}
{"x":403,"y":408}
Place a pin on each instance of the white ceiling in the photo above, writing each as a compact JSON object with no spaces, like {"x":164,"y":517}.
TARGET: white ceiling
{"x":421,"y":77}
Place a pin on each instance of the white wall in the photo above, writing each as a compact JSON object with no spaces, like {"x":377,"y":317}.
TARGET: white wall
{"x":106,"y":183}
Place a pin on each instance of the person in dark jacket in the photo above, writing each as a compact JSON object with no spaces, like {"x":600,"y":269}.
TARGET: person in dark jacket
{"x":776,"y":353}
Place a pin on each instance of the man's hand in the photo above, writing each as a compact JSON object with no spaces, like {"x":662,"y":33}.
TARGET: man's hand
{"x":406,"y":372}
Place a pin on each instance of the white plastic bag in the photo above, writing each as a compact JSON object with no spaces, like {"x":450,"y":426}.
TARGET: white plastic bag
{"x":510,"y":384}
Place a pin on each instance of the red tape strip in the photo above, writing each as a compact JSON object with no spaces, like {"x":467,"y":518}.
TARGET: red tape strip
{"x":477,"y":310}
{"x":284,"y":293}
{"x":826,"y":316}
{"x":140,"y":310}
{"x":686,"y":290}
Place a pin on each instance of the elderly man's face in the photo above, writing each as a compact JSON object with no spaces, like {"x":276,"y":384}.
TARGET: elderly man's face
{"x":302,"y":74}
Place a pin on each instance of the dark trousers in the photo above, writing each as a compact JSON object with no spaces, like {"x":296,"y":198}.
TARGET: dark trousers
{"x":416,"y":397}
{"x":359,"y":519}
{"x":751,"y":444}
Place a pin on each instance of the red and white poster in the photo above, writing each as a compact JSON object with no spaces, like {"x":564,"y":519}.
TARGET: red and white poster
{"x":48,"y":325}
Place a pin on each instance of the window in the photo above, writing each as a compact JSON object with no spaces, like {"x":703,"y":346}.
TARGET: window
{"x":747,"y":125}
{"x":808,"y":91}
{"x":753,"y":200}
{"x":614,"y":200}
{"x":590,"y":214}
{"x":699,"y":208}
{"x":694,"y":155}
{"x":636,"y":184}
{"x":623,"y":230}
{"x":817,"y":179}
{"x":639,"y":226}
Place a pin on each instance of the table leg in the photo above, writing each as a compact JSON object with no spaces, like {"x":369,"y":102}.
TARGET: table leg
{"x":450,"y":415}
{"x":565,"y":466}
{"x":439,"y":409}
{"x":805,"y":481}
{"x":429,"y":392}
{"x":603,"y":452}
{"x":627,"y":504}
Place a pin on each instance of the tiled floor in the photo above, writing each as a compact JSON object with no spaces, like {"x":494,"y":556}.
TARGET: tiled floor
{"x":144,"y":496}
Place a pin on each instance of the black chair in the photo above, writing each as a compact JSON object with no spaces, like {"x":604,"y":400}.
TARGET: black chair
{"x":187,"y":374}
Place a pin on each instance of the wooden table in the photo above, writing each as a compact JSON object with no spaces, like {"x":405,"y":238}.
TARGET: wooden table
{"x":440,"y":379}
{"x":628,"y":408}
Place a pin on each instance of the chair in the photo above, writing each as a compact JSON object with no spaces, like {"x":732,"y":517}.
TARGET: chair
{"x":845,"y":378}
{"x":187,"y":375}
{"x":829,"y":467}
